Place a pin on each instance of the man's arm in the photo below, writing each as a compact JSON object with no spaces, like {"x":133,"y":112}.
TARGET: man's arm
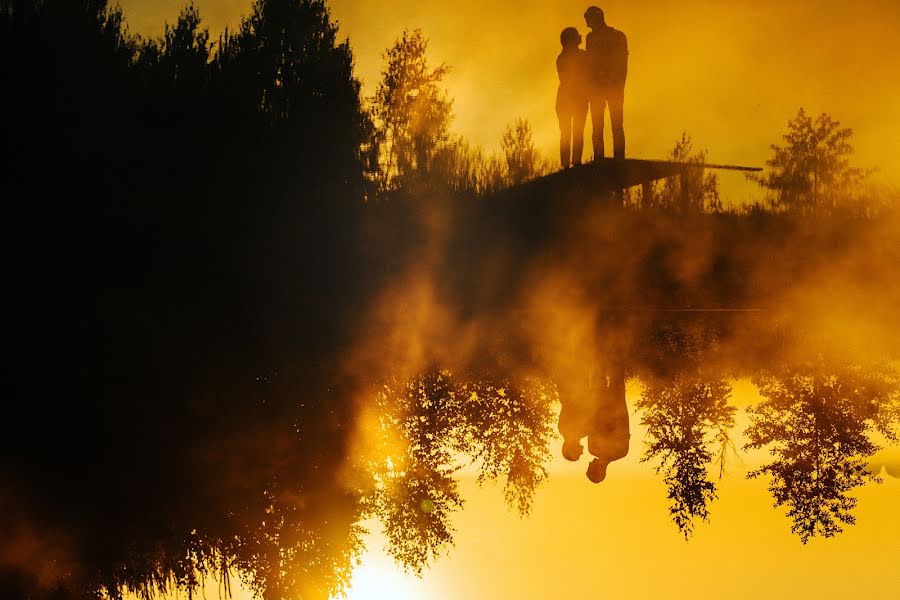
{"x":623,"y":41}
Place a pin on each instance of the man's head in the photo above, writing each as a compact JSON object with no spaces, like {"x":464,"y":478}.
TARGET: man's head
{"x":572,"y":450}
{"x":594,"y":17}
{"x":596,"y":471}
{"x":570,"y":38}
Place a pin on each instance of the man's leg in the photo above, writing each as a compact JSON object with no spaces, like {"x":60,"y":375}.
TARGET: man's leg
{"x":598,"y":114}
{"x":617,"y":119}
{"x":578,"y":121}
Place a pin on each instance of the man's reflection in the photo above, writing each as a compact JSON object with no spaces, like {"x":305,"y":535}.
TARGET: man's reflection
{"x":609,"y":435}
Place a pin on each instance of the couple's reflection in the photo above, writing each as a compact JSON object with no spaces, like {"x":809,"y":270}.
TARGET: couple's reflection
{"x":594,"y":407}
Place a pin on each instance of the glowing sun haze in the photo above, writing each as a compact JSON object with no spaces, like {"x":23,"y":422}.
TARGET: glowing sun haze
{"x":730,"y":74}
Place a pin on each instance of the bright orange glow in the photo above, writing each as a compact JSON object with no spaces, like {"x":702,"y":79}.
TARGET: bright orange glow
{"x":378,"y":577}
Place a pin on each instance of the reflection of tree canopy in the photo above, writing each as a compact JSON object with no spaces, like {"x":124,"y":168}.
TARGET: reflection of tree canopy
{"x":429,"y":426}
{"x":816,"y":421}
{"x":687,"y":420}
{"x":304,"y":547}
{"x":416,"y":492}
{"x":508,"y":429}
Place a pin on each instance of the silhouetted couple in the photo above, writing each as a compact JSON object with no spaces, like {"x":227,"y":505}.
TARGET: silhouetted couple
{"x":597,"y":411}
{"x":591,"y":79}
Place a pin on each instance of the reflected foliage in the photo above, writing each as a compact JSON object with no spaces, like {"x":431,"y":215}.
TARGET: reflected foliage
{"x":688,"y":419}
{"x":430,"y":427}
{"x":416,"y":493}
{"x":305,"y":546}
{"x":818,"y":421}
{"x":509,"y":429}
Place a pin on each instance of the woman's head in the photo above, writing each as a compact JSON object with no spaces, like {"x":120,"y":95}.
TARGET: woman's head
{"x":570,"y":38}
{"x":572,"y":449}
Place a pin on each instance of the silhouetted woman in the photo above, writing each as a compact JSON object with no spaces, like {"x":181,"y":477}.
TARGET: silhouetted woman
{"x":572,"y":97}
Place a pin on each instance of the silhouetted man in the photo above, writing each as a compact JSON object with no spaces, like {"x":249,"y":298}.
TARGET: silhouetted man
{"x":607,"y":50}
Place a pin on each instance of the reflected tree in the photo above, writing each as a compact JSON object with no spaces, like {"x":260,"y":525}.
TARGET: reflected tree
{"x":818,"y":421}
{"x":304,"y":546}
{"x":688,"y":421}
{"x":416,"y":493}
{"x":429,"y":427}
{"x":509,"y":428}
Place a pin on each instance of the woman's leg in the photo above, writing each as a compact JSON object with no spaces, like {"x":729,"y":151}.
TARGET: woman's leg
{"x":578,"y":121}
{"x":565,"y":135}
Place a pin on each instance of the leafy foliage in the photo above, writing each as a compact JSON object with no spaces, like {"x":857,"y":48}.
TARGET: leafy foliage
{"x":697,"y":190}
{"x":429,"y":425}
{"x":417,"y":494}
{"x":509,"y":427}
{"x":812,"y":170}
{"x":412,"y":113}
{"x":523,"y":161}
{"x":688,"y":421}
{"x":817,"y":420}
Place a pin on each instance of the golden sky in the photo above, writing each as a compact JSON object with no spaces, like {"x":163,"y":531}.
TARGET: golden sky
{"x":731,"y":74}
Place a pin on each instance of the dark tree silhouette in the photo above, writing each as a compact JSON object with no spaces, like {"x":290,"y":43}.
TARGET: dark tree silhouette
{"x":175,"y":203}
{"x":523,"y":161}
{"x":412,"y":113}
{"x":812,"y":170}
{"x":696,"y":190}
{"x":817,"y":420}
{"x":688,"y":419}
